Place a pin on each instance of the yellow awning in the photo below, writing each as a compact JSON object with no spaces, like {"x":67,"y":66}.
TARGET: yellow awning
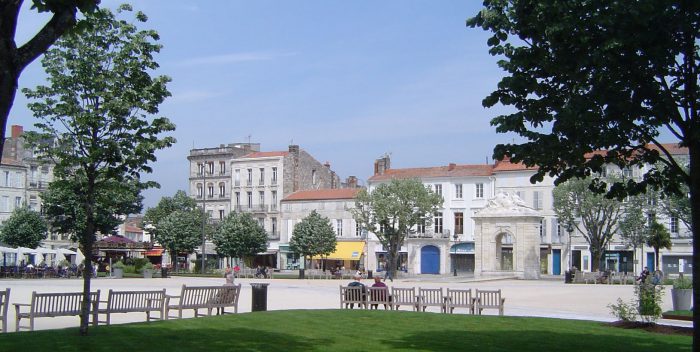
{"x":345,"y":250}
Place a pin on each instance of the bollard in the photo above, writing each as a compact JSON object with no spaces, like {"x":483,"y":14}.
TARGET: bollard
{"x":369,"y":274}
{"x":301,"y":274}
{"x":259,"y":303}
{"x":163,"y":272}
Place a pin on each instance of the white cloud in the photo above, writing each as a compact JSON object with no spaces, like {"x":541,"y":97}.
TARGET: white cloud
{"x":233,"y":58}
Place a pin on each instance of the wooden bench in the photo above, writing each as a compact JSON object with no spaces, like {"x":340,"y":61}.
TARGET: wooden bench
{"x":203,"y":297}
{"x":4,"y":309}
{"x":377,"y":296}
{"x":133,"y":302}
{"x":54,"y":305}
{"x":459,"y":299}
{"x":488,"y":299}
{"x":403,"y":296}
{"x":351,"y":295}
{"x":430,"y":297}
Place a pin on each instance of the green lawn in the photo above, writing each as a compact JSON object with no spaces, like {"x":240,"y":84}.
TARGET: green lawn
{"x":349,"y":330}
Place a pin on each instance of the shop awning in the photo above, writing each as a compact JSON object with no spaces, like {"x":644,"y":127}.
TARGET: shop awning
{"x":462,"y":248}
{"x":345,"y":250}
{"x":155,"y":252}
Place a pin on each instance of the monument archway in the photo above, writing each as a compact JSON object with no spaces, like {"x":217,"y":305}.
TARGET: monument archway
{"x":507,"y":239}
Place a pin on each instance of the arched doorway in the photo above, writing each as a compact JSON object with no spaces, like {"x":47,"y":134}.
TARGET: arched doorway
{"x":430,"y":260}
{"x":504,"y":251}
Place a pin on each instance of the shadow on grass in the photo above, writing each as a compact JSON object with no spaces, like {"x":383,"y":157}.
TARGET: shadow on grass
{"x":504,"y":340}
{"x":163,"y":338}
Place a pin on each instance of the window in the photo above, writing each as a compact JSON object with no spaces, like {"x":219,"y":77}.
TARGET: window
{"x":651,"y":217}
{"x":438,"y":190}
{"x":437,"y":222}
{"x":18,"y":202}
{"x":7,"y":179}
{"x":238,"y":199}
{"x":459,"y":223}
{"x":262,"y":176}
{"x":458,"y":191}
{"x":221,"y":213}
{"x":313,"y":177}
{"x":274,"y":197}
{"x":627,"y":172}
{"x":420,"y":227}
{"x":537,"y":199}
{"x":358,"y":230}
{"x":261,"y":195}
{"x":210,"y":190}
{"x":200,"y":169}
{"x":543,"y":227}
{"x":222,"y":189}
{"x":237,"y":177}
{"x":479,"y":190}
{"x":339,"y":227}
{"x":604,"y":172}
{"x":200,"y":190}
{"x":5,"y":204}
{"x":250,"y":177}
{"x":673,"y":225}
{"x":261,"y":222}
{"x":250,"y":200}
{"x":222,"y":167}
{"x":273,"y":224}
{"x":274,"y":175}
{"x":210,"y":167}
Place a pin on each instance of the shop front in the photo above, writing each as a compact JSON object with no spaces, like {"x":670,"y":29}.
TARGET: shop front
{"x":348,"y":255}
{"x":462,"y":257}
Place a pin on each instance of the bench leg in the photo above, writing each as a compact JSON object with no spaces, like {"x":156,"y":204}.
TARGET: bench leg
{"x":31,"y":323}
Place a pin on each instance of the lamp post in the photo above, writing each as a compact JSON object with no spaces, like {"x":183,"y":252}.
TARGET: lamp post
{"x":204,"y":217}
{"x":570,"y":229}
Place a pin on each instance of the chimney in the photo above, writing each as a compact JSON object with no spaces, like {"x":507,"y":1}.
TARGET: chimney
{"x":451,"y":166}
{"x":17,"y":131}
{"x":352,"y":182}
{"x":327,"y":164}
{"x":294,"y":149}
{"x":381,"y":165}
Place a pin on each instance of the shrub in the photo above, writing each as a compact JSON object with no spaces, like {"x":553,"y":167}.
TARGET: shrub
{"x":649,"y":298}
{"x":623,"y":311}
{"x":147,"y":266}
{"x":682,"y":283}
{"x":118,"y":265}
{"x":139,"y":263}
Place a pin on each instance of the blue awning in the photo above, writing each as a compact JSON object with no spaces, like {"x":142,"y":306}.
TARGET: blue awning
{"x":462,"y":248}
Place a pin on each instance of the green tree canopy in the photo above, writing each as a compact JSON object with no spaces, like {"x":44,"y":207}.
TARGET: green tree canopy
{"x":593,"y":215}
{"x":95,"y":126}
{"x":632,"y":226}
{"x":392,"y":209}
{"x":239,"y":236}
{"x":312,"y":236}
{"x":592,"y":83}
{"x":180,"y":231}
{"x":15,"y":58}
{"x":166,"y":206}
{"x":24,"y":228}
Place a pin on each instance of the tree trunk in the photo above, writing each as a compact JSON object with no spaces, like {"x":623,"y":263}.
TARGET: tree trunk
{"x":596,"y":254}
{"x":8,"y":89}
{"x":694,"y":151}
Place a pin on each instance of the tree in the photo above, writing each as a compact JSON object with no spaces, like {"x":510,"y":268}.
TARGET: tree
{"x":658,"y":238}
{"x":678,"y":206}
{"x":312,"y":236}
{"x":240,"y":236}
{"x":94,"y":126}
{"x":180,"y":231}
{"x":593,"y":215}
{"x":392,"y":209}
{"x":597,"y":82}
{"x":24,"y":228}
{"x":14,"y":59}
{"x":632,"y":226}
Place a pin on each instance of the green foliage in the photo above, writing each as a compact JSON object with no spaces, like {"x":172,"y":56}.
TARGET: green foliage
{"x":239,"y":236}
{"x":392,"y":209}
{"x":658,"y":238}
{"x":119,"y":265}
{"x":649,"y":299}
{"x":147,"y":266}
{"x":24,"y":228}
{"x":181,"y":231}
{"x":632,"y":227}
{"x":624,"y":311}
{"x":593,"y":215}
{"x":314,"y":235}
{"x":95,"y":124}
{"x":682,"y":283}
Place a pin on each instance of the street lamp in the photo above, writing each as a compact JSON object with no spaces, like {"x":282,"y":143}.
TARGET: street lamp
{"x":570,"y":229}
{"x":204,"y":217}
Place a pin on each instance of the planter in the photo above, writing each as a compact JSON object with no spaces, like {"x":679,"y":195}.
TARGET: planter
{"x":681,"y":298}
{"x":118,"y":273}
{"x":147,"y":273}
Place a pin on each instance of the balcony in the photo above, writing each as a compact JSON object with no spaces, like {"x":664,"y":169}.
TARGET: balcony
{"x":259,"y":208}
{"x":249,"y":183}
{"x":430,"y":233}
{"x":273,"y":182}
{"x":261,"y":183}
{"x":273,"y":235}
{"x":273,"y":208}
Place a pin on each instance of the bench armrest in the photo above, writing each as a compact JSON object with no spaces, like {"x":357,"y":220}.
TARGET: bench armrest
{"x":21,"y":304}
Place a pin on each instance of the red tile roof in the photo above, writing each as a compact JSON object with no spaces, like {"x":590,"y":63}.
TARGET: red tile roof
{"x":264,"y":154}
{"x":439,"y":171}
{"x":324,"y":194}
{"x":506,"y":165}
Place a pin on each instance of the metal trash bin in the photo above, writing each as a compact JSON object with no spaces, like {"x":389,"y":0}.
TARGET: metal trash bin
{"x":259,"y":297}
{"x":568,"y":277}
{"x":163,"y":272}
{"x":369,"y":274}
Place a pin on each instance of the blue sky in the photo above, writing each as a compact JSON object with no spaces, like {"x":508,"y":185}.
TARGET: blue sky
{"x":348,"y":81}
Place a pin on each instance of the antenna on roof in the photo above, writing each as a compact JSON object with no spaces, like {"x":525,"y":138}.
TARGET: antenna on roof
{"x":249,"y":138}
{"x":291,"y":141}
